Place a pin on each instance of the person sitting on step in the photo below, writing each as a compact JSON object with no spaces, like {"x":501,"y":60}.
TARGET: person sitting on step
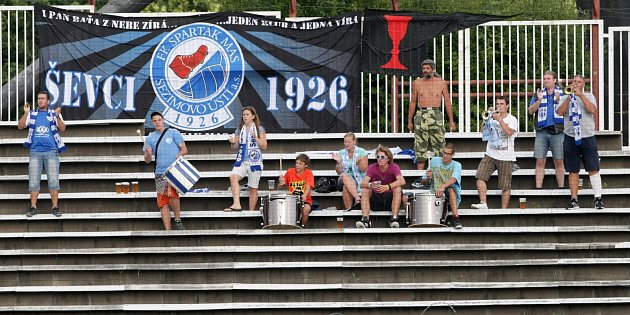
{"x":352,"y":162}
{"x":382,"y":188}
{"x":300,"y":182}
{"x":444,"y":176}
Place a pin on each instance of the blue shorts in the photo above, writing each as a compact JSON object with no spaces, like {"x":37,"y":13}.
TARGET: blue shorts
{"x":586,"y":152}
{"x":545,"y":142}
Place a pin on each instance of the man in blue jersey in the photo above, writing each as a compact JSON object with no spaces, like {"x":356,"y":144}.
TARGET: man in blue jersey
{"x":45,"y":144}
{"x":168,"y":145}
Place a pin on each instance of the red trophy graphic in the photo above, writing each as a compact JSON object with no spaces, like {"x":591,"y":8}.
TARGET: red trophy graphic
{"x":397,"y":28}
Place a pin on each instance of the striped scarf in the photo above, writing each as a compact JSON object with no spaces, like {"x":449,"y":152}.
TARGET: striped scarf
{"x":32,"y":117}
{"x":575,"y":116}
{"x":249,"y":145}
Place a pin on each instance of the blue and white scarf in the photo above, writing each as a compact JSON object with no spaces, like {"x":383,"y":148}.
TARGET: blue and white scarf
{"x":576,"y":115}
{"x":32,"y":117}
{"x":249,"y":145}
{"x":490,"y":133}
{"x":352,"y":164}
{"x":543,"y":108}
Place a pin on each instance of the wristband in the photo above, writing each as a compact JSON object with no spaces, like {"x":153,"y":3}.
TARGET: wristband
{"x":389,"y":187}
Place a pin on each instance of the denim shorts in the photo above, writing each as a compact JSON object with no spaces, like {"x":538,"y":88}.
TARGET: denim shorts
{"x":545,"y":142}
{"x":39,"y":160}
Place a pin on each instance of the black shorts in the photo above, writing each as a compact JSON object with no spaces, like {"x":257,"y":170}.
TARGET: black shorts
{"x":585,"y":152}
{"x":381,"y":202}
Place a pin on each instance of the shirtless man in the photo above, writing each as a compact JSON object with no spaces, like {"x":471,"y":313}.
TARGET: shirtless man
{"x":425,"y":118}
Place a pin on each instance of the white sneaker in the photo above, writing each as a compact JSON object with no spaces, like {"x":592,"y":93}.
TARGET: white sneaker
{"x":482,"y":205}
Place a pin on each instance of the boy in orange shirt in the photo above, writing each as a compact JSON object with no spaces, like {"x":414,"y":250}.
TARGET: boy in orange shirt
{"x":300,"y":182}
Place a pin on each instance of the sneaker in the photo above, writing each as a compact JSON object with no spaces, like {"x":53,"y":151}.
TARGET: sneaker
{"x":482,"y":205}
{"x":458,"y":223}
{"x":573,"y":204}
{"x":56,"y":212}
{"x":356,"y":206}
{"x":393,"y":223}
{"x":599,"y":204}
{"x":179,"y":225}
{"x":363,"y":224}
{"x":31,"y":212}
{"x":183,"y":65}
{"x":417,"y":184}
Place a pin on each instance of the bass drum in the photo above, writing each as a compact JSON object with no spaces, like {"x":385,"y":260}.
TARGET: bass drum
{"x":281,"y":211}
{"x":425,"y":210}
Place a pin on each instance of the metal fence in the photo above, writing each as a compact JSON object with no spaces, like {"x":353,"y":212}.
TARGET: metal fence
{"x":480,"y":63}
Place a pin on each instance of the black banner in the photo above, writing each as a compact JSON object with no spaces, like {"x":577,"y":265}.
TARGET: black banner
{"x":395,"y":42}
{"x":201,"y":70}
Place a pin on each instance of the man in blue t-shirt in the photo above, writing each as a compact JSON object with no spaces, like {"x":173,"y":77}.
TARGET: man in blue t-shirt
{"x":446,"y":176}
{"x":45,"y":144}
{"x":170,"y":147}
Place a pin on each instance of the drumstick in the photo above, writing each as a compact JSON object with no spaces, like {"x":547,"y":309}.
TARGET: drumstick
{"x":140,"y":134}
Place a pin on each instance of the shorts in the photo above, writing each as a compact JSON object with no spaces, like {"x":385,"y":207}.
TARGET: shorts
{"x":586,"y":152}
{"x":381,"y":202}
{"x":165,"y":192}
{"x":488,"y":165}
{"x":253,"y":177}
{"x":428,"y":130}
{"x":546,"y":141}
{"x":37,"y":162}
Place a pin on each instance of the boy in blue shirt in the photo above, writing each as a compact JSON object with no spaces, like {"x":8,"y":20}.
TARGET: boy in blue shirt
{"x":446,"y":175}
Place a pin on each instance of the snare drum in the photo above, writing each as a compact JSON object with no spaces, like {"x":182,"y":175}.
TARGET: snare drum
{"x":425,"y":210}
{"x":281,"y":211}
{"x":181,"y":175}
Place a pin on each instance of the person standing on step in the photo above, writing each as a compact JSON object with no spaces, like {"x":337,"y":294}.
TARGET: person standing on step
{"x":382,"y":188}
{"x":579,"y":140}
{"x":300,"y":181}
{"x":45,"y":144}
{"x":352,"y":162}
{"x":445,"y":176}
{"x":250,"y":139}
{"x":549,"y":128}
{"x":425,"y":119}
{"x":168,"y":145}
{"x":500,"y":155}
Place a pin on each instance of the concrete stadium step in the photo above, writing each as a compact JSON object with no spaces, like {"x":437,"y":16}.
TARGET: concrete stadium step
{"x":520,"y":270}
{"x":217,"y":143}
{"x":613,"y":305}
{"x":324,"y":219}
{"x":85,"y":202}
{"x":97,"y":295}
{"x":88,"y":181}
{"x":285,"y":242}
{"x":109,"y":128}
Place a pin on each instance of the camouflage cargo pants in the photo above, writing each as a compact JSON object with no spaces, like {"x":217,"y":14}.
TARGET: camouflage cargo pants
{"x":428,"y":130}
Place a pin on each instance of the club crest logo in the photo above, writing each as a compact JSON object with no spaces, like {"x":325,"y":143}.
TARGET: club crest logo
{"x":197,"y":70}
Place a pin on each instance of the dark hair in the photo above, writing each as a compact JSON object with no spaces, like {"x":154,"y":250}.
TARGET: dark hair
{"x":304,"y":158}
{"x":156,"y":114}
{"x":503,"y":97}
{"x":44,"y":93}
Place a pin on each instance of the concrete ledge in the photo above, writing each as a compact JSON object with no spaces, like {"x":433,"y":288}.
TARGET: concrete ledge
{"x":315,"y":286}
{"x":317,"y":305}
{"x":227,"y":194}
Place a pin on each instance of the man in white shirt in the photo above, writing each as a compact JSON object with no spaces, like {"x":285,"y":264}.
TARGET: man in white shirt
{"x":499,"y":155}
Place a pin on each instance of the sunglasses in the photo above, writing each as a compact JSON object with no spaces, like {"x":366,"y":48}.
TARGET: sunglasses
{"x":447,"y":153}
{"x":381,"y":157}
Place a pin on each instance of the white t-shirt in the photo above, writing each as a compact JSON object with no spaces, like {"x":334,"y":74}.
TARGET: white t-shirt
{"x":505,"y":151}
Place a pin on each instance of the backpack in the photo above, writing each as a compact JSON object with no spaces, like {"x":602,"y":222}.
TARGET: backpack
{"x":326,"y":185}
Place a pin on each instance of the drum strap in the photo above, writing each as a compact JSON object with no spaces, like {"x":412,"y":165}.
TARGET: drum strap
{"x":157,"y":145}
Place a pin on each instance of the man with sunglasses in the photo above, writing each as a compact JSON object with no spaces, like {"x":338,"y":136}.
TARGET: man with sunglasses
{"x":382,"y":188}
{"x":445,"y":176}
